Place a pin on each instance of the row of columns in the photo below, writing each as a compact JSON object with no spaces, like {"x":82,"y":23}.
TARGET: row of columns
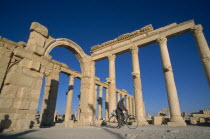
{"x":139,"y":105}
{"x":129,"y":102}
{"x":136,"y":106}
{"x":173,"y":101}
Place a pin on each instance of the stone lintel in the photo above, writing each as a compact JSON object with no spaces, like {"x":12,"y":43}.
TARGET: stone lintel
{"x":35,"y":26}
{"x":122,"y":47}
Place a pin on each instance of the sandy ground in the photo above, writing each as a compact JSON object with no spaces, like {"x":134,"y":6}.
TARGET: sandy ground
{"x":142,"y":132}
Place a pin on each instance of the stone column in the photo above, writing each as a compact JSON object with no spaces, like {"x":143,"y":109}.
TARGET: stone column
{"x":131,"y":108}
{"x":94,"y":101}
{"x":107,"y":104}
{"x":137,"y":86}
{"x":44,"y":111}
{"x":118,"y":96}
{"x":127,"y":103}
{"x":112,"y":84}
{"x":133,"y":103}
{"x":175,"y":119}
{"x":91,"y":94}
{"x":100,"y":103}
{"x":203,"y":49}
{"x":50,"y":98}
{"x":69,"y":98}
{"x":78,"y":110}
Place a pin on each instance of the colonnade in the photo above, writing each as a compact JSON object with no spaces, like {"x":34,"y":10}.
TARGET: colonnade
{"x":50,"y":96}
{"x":136,"y":104}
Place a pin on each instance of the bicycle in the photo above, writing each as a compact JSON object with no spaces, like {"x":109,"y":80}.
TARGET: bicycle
{"x":130,"y":120}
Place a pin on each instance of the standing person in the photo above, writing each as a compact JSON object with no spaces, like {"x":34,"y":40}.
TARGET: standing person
{"x":119,"y":112}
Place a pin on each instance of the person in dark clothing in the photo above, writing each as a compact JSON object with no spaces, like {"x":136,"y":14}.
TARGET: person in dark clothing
{"x":119,"y":112}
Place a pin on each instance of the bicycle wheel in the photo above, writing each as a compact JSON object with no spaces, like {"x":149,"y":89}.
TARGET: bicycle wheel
{"x":113,"y":121}
{"x":132,"y":122}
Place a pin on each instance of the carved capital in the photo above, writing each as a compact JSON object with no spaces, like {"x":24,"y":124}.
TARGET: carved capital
{"x":135,"y":75}
{"x":111,"y":57}
{"x":161,"y":40}
{"x":73,"y":75}
{"x":101,"y":87}
{"x":198,"y":29}
{"x":134,"y":50}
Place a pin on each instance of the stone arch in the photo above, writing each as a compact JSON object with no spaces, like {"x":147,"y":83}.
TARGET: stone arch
{"x":68,"y":44}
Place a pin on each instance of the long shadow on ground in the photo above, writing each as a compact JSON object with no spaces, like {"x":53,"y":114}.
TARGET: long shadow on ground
{"x":15,"y":136}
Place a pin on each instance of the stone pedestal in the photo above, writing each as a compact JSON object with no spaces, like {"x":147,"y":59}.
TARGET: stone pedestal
{"x":175,"y":119}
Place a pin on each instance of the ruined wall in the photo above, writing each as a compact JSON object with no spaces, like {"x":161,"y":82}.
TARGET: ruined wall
{"x":21,"y":88}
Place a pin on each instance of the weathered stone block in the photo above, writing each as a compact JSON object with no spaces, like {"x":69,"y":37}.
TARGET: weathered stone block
{"x":6,"y":103}
{"x":19,"y":79}
{"x":25,"y":62}
{"x":201,"y":120}
{"x":157,"y":120}
{"x":32,"y":73}
{"x":19,"y":52}
{"x":39,"y":50}
{"x":34,"y":65}
{"x":8,"y":90}
{"x":24,"y":105}
{"x":39,"y":28}
{"x":193,"y":121}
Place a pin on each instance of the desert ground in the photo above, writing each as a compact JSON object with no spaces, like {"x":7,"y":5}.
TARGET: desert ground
{"x":142,"y":132}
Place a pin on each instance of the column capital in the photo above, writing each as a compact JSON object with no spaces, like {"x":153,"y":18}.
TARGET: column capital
{"x":162,"y":40}
{"x":100,"y":87}
{"x":73,"y":75}
{"x":197,"y":29}
{"x":111,"y":57}
{"x":134,"y":49}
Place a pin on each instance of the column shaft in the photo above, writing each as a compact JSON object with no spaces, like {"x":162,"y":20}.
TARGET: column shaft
{"x":69,"y":99}
{"x":176,"y":119}
{"x":100,"y":103}
{"x":112,"y":84}
{"x":95,"y":100}
{"x":203,"y":50}
{"x":131,"y":108}
{"x":127,"y":103}
{"x":118,"y":97}
{"x":133,"y":103}
{"x":107,"y":105}
{"x":50,"y":98}
{"x":137,"y":86}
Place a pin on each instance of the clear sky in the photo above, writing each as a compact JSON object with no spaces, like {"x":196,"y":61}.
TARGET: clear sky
{"x":91,"y":22}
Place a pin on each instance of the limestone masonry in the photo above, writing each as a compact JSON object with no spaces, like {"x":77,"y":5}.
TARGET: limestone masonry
{"x":23,"y":66}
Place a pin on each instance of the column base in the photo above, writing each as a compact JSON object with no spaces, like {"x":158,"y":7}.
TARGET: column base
{"x":142,"y":121}
{"x":69,"y":123}
{"x":177,"y":123}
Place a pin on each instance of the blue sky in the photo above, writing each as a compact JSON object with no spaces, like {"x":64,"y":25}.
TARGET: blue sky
{"x":91,"y":22}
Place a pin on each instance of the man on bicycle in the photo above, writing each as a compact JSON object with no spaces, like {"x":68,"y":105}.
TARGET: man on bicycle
{"x":119,"y":112}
